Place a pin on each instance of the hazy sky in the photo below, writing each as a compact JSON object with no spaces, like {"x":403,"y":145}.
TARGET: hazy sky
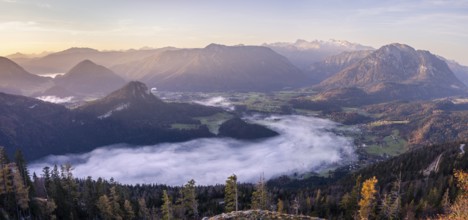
{"x":440,"y":26}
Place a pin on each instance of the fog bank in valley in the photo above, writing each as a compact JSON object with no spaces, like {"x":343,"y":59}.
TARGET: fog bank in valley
{"x":304,"y":144}
{"x":217,"y":101}
{"x":56,"y":99}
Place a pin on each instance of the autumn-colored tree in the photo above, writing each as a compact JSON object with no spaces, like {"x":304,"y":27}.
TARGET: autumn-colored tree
{"x":260,"y":195}
{"x":114,"y":203}
{"x":21,"y":191}
{"x":280,"y":206}
{"x":129,"y":213}
{"x":445,"y":203}
{"x":459,"y":209}
{"x":105,"y":207}
{"x":367,"y":202}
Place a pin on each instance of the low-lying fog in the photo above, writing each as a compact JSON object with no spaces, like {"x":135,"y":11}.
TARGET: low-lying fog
{"x":217,"y":101}
{"x":305,"y":144}
{"x":55,"y":99}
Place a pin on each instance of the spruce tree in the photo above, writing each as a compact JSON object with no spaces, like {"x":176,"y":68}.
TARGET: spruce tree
{"x":230,"y":194}
{"x":143,"y":212}
{"x":166,"y":207}
{"x":188,"y":201}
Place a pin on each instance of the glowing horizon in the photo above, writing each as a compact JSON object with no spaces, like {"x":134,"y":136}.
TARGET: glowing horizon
{"x":31,"y":27}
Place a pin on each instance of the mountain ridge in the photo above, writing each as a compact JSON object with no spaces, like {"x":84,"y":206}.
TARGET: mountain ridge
{"x":397,"y":65}
{"x":15,"y":79}
{"x":130,"y":115}
{"x":219,"y":68}
{"x":88,"y":78}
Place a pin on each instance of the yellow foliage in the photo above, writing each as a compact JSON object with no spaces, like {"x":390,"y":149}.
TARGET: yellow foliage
{"x":367,"y":202}
{"x":459,"y":209}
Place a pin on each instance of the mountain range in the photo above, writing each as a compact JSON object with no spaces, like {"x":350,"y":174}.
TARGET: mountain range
{"x":304,"y":53}
{"x":130,"y":115}
{"x":393,"y":70}
{"x":398,"y":71}
{"x":216,"y":68}
{"x":334,"y":64}
{"x":15,"y":79}
{"x":63,"y":61}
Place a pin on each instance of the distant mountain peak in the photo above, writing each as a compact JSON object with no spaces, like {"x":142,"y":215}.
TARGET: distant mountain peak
{"x":17,"y":55}
{"x":137,"y":87}
{"x":15,"y":79}
{"x":133,"y":90}
{"x":86,"y":63}
{"x":88,"y":67}
{"x":397,"y":47}
{"x":9,"y":67}
{"x":398,"y":68}
{"x":79,"y":50}
{"x":301,"y":44}
{"x":304,"y":54}
{"x":215,"y":46}
{"x":88,"y":77}
{"x":4,"y":60}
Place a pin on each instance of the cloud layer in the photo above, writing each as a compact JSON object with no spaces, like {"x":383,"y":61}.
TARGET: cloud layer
{"x":217,"y":101}
{"x":305,"y":144}
{"x":56,"y":99}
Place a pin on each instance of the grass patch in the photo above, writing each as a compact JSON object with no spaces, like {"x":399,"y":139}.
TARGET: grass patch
{"x":213,"y":122}
{"x":392,"y":145}
{"x":384,"y":122}
{"x":184,"y":126}
{"x":307,"y":112}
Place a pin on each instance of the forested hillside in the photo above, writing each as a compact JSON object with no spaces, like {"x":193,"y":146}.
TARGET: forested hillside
{"x":423,"y":183}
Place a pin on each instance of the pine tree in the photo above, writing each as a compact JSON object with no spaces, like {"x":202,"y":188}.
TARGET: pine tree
{"x":352,"y":203}
{"x":260,"y":195}
{"x":50,"y":207}
{"x":230,"y":194}
{"x":114,"y":203}
{"x":188,"y":201}
{"x":367,"y":202}
{"x":167,"y":206}
{"x":23,"y":168}
{"x":391,"y":203}
{"x":129,"y":213}
{"x":143,"y":212}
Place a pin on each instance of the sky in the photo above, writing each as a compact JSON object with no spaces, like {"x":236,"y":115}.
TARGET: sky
{"x":33,"y":26}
